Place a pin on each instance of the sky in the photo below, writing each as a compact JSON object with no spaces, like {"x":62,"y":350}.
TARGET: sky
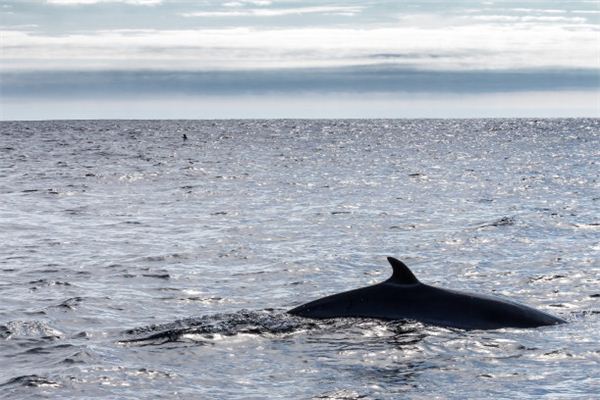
{"x":162,"y":59}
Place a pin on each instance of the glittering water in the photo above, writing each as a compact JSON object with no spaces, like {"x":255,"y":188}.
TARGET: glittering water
{"x":135,"y":264}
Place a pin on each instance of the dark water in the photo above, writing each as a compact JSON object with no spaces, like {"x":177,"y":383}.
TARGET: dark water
{"x":136,"y":265}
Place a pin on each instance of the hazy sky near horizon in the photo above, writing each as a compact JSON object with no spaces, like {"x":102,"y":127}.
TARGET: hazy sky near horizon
{"x":287,"y":58}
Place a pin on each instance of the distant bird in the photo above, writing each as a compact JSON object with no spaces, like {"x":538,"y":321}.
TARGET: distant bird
{"x":184,"y":137}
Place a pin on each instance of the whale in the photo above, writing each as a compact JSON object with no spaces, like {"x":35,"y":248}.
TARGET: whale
{"x":404,"y":297}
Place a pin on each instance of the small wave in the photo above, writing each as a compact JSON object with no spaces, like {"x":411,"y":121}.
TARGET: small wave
{"x":47,"y":282}
{"x":28,"y":329}
{"x":79,"y":357}
{"x":546,"y":278}
{"x":164,"y":257}
{"x":592,"y":225}
{"x":226,"y":324}
{"x":31,"y":381}
{"x":343,"y":394}
{"x":504,"y":221}
{"x":70,"y":303}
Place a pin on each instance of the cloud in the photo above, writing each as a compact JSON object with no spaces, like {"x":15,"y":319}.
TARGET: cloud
{"x":63,"y":49}
{"x":538,"y":10}
{"x":517,"y":19}
{"x":21,"y":27}
{"x":371,"y":79}
{"x":88,"y":2}
{"x":277,"y":12}
{"x":456,"y":47}
{"x":258,"y":3}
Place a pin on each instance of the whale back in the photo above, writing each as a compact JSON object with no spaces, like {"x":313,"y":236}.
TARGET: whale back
{"x":403,"y":296}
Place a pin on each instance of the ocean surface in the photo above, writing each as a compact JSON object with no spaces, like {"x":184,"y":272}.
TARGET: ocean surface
{"x":135,"y":264}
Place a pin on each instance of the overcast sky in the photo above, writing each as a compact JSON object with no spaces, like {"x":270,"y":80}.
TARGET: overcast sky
{"x":287,"y":58}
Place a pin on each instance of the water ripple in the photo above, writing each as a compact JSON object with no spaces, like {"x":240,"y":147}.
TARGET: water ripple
{"x":116,"y":233}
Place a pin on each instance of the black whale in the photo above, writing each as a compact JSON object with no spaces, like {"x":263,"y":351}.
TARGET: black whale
{"x":404,"y":297}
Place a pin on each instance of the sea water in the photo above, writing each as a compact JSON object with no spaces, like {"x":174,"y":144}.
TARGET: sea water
{"x":136,"y":264}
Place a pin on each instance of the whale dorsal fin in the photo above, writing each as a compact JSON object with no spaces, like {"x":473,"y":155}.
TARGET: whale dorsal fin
{"x":402,"y":274}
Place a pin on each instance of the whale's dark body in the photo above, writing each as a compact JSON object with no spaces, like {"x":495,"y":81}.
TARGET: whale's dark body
{"x":403,"y":297}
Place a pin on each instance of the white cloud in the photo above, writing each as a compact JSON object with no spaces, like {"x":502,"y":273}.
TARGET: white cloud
{"x":88,"y":2}
{"x":538,"y":10}
{"x":461,"y":47}
{"x":516,"y":19}
{"x":21,"y":27}
{"x":586,"y":12}
{"x":277,"y":12}
{"x":257,"y":3}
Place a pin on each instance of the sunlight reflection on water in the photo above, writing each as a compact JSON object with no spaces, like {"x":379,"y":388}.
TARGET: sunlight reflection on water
{"x":137,"y":265}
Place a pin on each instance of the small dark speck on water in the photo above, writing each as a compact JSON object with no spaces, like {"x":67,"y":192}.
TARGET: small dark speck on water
{"x":158,"y":276}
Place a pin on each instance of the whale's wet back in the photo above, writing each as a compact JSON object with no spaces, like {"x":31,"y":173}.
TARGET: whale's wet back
{"x":403,"y":297}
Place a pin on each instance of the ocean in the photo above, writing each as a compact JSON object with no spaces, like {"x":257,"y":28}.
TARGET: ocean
{"x":136,"y":264}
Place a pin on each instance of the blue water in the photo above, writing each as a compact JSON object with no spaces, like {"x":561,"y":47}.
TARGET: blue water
{"x":135,"y":264}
